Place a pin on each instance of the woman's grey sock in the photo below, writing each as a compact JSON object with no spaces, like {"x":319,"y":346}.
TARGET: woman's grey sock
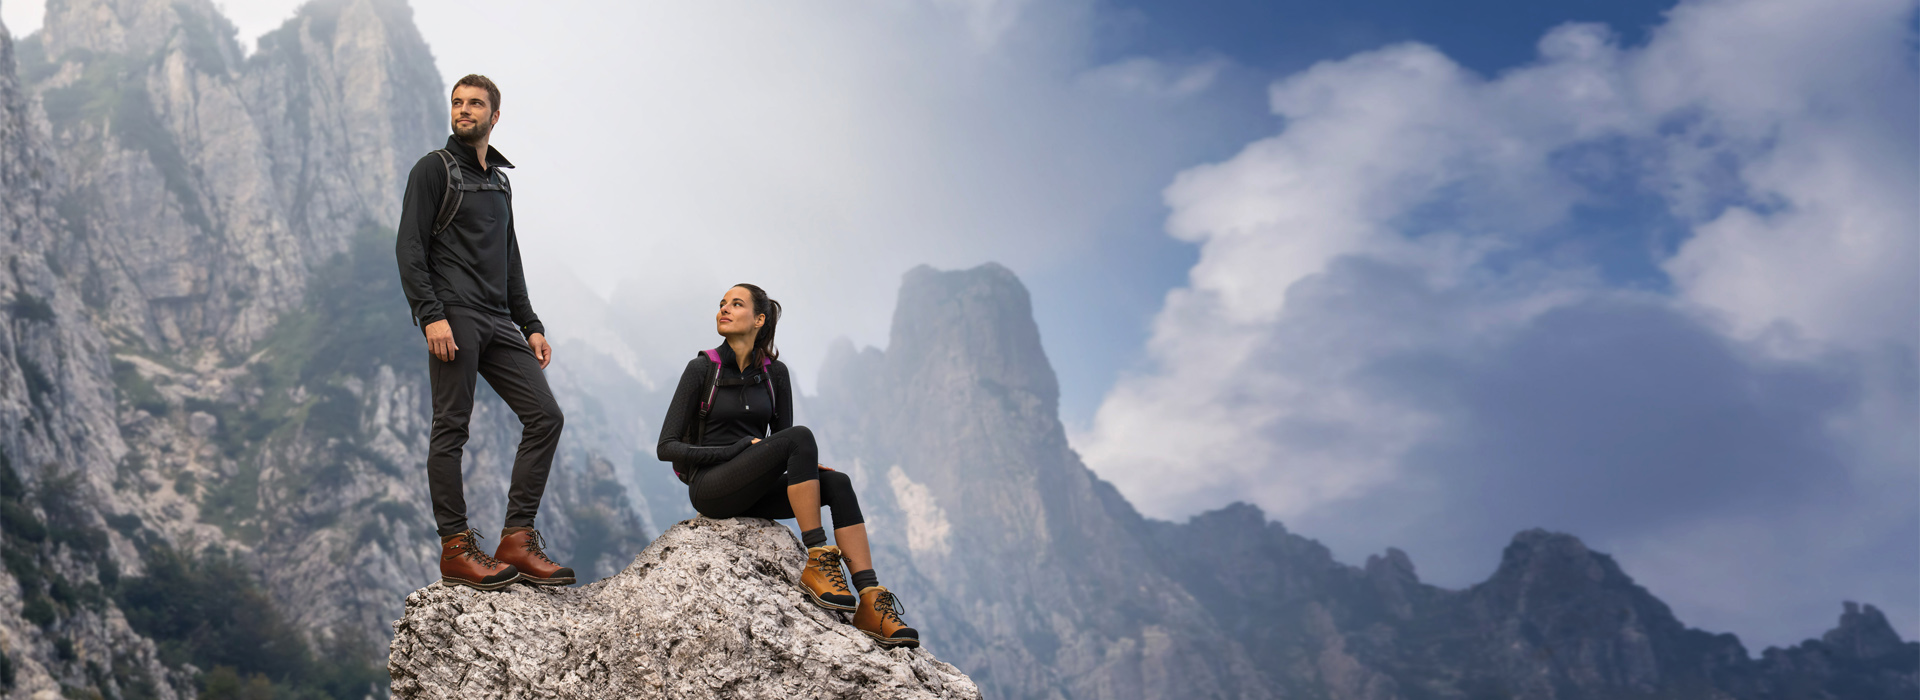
{"x":864,"y":579}
{"x":815,"y":537}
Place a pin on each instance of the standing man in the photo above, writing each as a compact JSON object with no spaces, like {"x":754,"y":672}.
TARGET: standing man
{"x":460,"y":267}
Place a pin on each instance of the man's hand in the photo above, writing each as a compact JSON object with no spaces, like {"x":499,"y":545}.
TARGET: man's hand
{"x":541,"y":350}
{"x":440,"y":340}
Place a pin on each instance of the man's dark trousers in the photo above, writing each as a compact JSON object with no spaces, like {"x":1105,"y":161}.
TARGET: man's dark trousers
{"x":492,"y":347}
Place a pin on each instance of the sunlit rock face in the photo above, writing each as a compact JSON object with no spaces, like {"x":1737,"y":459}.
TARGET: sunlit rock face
{"x":711,"y":609}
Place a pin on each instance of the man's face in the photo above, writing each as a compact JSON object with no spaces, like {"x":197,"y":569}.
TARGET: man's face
{"x":473,"y":116}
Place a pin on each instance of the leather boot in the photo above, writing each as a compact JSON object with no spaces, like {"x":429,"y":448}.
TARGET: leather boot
{"x":462,"y":563}
{"x":826,"y":583}
{"x":879,"y":618}
{"x":523,"y":548}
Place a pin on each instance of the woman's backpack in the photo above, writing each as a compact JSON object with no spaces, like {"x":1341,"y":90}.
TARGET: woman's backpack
{"x":697,"y":428}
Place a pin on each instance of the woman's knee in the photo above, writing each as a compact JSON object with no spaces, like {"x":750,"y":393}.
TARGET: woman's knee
{"x":838,"y":484}
{"x":801,"y":436}
{"x":836,"y":492}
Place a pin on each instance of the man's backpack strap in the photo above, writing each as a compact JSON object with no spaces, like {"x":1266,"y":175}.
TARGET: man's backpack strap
{"x":457,"y":186}
{"x":449,"y":204}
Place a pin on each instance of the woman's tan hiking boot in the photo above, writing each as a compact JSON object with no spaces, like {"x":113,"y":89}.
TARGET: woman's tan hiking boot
{"x":526,"y":550}
{"x":879,"y":618}
{"x":826,"y":583}
{"x":462,"y":563}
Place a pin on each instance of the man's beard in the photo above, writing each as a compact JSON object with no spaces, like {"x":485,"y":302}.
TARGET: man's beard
{"x":479,"y":130}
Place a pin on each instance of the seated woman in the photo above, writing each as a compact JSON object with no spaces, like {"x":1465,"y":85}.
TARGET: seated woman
{"x":716,"y":434}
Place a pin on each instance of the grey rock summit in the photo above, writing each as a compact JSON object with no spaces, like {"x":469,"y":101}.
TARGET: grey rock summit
{"x":711,"y":609}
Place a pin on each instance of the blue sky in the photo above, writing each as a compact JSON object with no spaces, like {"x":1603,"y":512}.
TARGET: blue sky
{"x":1281,"y":37}
{"x":1403,"y":273}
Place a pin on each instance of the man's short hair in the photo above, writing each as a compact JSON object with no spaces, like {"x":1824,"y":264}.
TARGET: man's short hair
{"x":481,"y":81}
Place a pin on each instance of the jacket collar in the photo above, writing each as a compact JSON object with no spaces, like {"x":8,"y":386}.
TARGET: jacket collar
{"x":731,"y":362}
{"x":464,"y":153}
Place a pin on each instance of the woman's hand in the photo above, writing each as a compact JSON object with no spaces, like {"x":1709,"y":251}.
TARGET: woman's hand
{"x":756,"y":441}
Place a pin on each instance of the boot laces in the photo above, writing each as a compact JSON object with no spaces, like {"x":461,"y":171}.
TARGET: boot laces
{"x":829,"y":565}
{"x":468,"y":545}
{"x":538,"y":545}
{"x":889,"y":607}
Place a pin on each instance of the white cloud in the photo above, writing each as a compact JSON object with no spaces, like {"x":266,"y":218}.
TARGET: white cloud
{"x":1807,"y":98}
{"x":1358,"y":270}
{"x":1152,"y":77}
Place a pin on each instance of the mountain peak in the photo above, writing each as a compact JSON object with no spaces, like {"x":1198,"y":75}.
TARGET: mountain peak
{"x":1864,"y":633}
{"x":971,"y":326}
{"x":143,"y":27}
{"x":1537,"y":549}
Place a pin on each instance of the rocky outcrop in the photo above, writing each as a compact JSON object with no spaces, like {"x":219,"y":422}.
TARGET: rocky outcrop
{"x":711,"y":609}
{"x":1862,"y":657}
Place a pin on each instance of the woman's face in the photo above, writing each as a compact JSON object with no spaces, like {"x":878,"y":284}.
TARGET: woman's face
{"x":736,"y":317}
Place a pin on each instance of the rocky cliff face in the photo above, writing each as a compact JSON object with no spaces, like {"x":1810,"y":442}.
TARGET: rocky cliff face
{"x":57,"y":453}
{"x":212,"y":402}
{"x":1042,"y":582}
{"x":711,"y":609}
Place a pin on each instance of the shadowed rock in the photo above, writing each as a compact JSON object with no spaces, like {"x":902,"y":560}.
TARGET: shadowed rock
{"x":711,"y":609}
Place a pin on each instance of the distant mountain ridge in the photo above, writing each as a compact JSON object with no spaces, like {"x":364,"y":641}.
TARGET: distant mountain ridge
{"x":1043,"y":582}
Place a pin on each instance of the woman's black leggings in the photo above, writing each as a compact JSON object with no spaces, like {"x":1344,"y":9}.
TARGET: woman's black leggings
{"x":755,"y":483}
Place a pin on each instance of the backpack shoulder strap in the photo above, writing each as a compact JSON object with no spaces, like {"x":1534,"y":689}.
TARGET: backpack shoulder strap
{"x":696,"y":430}
{"x":450,"y":203}
{"x":713,"y":382}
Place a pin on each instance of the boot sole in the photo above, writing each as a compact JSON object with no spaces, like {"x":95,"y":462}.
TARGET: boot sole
{"x":822,"y":603}
{"x":563,"y":581}
{"x":891,"y":643}
{"x":449,"y":581}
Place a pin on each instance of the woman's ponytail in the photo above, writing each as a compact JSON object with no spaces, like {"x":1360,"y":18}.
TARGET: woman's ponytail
{"x":763,"y":348}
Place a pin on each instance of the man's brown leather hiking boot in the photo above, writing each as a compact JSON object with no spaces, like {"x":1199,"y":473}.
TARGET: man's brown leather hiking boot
{"x":463,"y":563}
{"x":879,"y":618}
{"x":523,"y":548}
{"x":826,"y":583}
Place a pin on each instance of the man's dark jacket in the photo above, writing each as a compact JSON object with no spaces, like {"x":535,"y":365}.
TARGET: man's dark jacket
{"x":475,"y":261}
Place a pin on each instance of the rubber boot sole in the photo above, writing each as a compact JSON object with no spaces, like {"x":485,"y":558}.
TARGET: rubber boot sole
{"x":824,"y":604}
{"x":556,"y":581}
{"x":909,"y":642}
{"x":450,"y":581}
